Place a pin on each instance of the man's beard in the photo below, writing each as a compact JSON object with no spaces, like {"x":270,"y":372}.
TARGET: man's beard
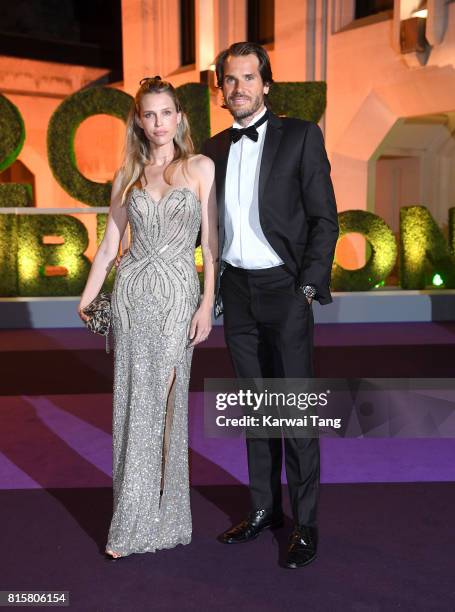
{"x":243,"y":113}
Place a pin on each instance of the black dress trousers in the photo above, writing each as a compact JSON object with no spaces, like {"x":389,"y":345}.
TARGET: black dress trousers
{"x":268,"y":328}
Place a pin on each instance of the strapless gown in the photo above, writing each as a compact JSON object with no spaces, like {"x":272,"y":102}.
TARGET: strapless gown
{"x":155,"y":295}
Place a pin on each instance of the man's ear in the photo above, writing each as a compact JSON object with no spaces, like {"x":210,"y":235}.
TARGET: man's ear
{"x":266,"y":89}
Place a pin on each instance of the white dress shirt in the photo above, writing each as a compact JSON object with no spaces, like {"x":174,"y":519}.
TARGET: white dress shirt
{"x":245,"y":244}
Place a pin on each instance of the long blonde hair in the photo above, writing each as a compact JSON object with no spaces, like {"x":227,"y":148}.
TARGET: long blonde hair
{"x":136,"y":150}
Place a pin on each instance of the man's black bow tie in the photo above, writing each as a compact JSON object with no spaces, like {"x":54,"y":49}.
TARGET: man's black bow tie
{"x":250,"y":131}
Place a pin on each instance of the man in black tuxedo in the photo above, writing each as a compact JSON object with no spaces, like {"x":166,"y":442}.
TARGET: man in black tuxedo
{"x":277,"y":233}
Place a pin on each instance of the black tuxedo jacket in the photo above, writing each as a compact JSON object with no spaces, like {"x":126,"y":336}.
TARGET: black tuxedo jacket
{"x":297,"y":207}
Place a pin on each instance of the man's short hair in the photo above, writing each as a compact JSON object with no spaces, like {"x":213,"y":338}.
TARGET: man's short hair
{"x":245,"y":48}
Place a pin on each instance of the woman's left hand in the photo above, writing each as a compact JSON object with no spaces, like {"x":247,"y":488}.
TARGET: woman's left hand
{"x":81,"y":313}
{"x":201,"y":325}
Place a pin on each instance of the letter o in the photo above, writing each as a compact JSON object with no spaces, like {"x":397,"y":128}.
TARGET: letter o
{"x":61,"y":133}
{"x":383,"y":251}
{"x":12,"y":133}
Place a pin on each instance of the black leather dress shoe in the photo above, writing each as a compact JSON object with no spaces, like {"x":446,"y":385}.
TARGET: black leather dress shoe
{"x":250,"y":528}
{"x":303,"y":545}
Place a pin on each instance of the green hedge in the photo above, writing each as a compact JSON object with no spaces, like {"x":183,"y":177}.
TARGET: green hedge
{"x":61,"y":133}
{"x":300,"y":100}
{"x":15,"y":195}
{"x":452,"y":230}
{"x":33,"y":256}
{"x":424,"y":251}
{"x":8,"y":255}
{"x":24,"y":257}
{"x":12,"y":133}
{"x":12,"y":137}
{"x":195,"y":100}
{"x":383,"y":251}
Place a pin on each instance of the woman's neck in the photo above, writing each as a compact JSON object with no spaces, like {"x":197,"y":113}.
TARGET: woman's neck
{"x":161,"y":156}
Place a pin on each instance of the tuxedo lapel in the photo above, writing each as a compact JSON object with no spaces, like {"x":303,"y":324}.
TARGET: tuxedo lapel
{"x":271,"y":144}
{"x":222,"y":154}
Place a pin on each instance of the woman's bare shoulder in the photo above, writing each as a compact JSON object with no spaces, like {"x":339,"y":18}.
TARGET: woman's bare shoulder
{"x":202,"y":164}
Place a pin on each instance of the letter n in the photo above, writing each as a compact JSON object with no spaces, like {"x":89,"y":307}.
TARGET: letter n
{"x":425,"y":257}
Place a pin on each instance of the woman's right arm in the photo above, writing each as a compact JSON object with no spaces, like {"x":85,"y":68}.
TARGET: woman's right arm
{"x":108,"y":249}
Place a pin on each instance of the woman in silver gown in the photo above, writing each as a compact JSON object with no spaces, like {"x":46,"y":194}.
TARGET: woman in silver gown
{"x":166,"y":193}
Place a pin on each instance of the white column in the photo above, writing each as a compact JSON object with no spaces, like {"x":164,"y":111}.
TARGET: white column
{"x":230,"y":23}
{"x":151,"y":39}
{"x":205,"y":33}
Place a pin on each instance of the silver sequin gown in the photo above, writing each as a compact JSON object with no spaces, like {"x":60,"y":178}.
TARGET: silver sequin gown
{"x":155,"y":295}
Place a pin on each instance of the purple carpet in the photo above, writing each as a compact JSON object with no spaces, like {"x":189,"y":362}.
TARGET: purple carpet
{"x":386,"y":504}
{"x":382,"y":547}
{"x":65,"y":441}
